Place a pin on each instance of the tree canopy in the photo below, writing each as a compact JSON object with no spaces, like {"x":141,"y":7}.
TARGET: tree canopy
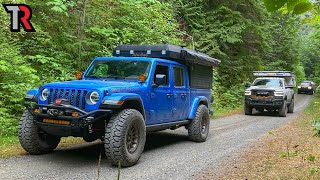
{"x":246,"y":35}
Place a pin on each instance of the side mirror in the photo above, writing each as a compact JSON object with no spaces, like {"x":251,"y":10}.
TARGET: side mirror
{"x":247,"y":85}
{"x":78,"y":75}
{"x":160,"y":80}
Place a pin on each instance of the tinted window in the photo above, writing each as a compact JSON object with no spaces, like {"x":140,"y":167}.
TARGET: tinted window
{"x":178,"y":77}
{"x":161,"y":69}
{"x":268,"y":83}
{"x":305,"y":84}
{"x":118,"y":69}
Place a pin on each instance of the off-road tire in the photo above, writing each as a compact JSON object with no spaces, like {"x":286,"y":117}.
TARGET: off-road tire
{"x":198,"y":129}
{"x":33,"y":139}
{"x":283,"y":110}
{"x":247,"y":110}
{"x":117,"y":134}
{"x":312,"y":92}
{"x":291,"y":106}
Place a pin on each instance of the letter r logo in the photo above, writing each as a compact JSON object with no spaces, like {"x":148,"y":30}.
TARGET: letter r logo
{"x":20,"y":14}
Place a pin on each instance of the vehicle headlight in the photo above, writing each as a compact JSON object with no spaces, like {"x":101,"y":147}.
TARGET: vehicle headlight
{"x":299,"y":87}
{"x":247,"y":93}
{"x":93,"y":97}
{"x":44,"y":94}
{"x":309,"y":87}
{"x":279,"y":93}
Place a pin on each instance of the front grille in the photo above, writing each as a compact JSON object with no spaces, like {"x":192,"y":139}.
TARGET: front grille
{"x":76,"y":97}
{"x":262,"y":93}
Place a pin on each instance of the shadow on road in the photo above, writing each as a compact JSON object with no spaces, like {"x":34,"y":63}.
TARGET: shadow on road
{"x":89,"y":152}
{"x":266,"y":113}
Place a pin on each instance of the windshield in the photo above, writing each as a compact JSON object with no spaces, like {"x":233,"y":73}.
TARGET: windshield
{"x":305,"y":84}
{"x":125,"y":69}
{"x":268,"y":82}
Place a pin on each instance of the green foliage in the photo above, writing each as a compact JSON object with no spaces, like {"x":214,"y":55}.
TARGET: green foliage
{"x":70,"y":33}
{"x":273,"y":5}
{"x":294,"y":6}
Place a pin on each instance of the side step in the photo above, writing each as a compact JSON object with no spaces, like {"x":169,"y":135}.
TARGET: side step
{"x":159,"y":127}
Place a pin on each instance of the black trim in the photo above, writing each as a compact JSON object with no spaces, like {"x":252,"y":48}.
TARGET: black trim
{"x":85,"y":114}
{"x":31,"y":97}
{"x":258,"y":103}
{"x":76,"y":123}
{"x":116,"y":106}
{"x":159,"y":127}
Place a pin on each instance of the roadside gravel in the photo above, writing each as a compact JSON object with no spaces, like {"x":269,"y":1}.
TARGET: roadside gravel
{"x":168,"y":154}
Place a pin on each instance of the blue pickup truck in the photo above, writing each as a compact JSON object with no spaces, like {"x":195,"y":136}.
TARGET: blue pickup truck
{"x":118,"y":99}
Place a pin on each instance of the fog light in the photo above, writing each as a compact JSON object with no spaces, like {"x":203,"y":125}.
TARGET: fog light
{"x":75,"y":114}
{"x":37,"y":110}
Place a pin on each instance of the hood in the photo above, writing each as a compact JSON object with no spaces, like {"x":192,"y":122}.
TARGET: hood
{"x":264,"y":88}
{"x":91,"y":84}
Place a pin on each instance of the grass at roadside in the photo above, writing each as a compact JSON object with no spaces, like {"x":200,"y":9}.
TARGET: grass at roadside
{"x":219,"y":113}
{"x":290,"y":152}
{"x":10,"y":147}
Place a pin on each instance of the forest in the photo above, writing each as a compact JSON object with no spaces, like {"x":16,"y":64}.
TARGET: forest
{"x":246,"y":35}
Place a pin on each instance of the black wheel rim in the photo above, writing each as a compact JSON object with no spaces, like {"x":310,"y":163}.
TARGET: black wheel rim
{"x":132,"y":138}
{"x":203,"y":124}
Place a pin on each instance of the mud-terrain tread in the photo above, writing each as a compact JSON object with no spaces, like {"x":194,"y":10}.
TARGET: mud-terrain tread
{"x":194,"y":130}
{"x":28,"y":136}
{"x":283,"y":110}
{"x":114,"y":144}
{"x":247,"y":110}
{"x":291,"y":106}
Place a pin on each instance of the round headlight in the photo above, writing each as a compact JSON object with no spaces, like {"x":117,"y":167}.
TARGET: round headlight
{"x":94,"y":97}
{"x":44,"y":94}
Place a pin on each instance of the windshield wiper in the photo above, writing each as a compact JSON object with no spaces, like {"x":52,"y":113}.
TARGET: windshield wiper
{"x":98,"y":77}
{"x":116,"y":77}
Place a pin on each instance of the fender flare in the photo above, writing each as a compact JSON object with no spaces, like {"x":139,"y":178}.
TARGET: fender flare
{"x":196,"y":101}
{"x":123,"y":98}
{"x":32,"y":95}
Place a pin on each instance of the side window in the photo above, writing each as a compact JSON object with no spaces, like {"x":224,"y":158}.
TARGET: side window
{"x":178,"y":77}
{"x":162,"y":71}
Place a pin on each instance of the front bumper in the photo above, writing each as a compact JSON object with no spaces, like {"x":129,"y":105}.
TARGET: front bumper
{"x":305,"y":90}
{"x":76,"y":125}
{"x":264,"y":103}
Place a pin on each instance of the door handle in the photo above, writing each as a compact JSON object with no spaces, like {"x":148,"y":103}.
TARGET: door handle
{"x":169,"y":95}
{"x":183,"y":95}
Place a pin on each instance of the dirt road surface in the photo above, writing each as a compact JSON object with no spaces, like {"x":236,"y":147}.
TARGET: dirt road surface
{"x":168,"y":154}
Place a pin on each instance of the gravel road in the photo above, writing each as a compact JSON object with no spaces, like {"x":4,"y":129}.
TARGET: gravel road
{"x":168,"y":154}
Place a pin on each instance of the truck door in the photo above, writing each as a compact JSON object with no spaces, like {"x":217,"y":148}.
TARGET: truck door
{"x":180,"y":93}
{"x":161,"y":96}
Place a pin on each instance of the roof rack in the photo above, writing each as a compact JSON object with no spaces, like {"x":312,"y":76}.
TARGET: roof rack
{"x":166,"y":51}
{"x":287,"y":75}
{"x":273,"y":74}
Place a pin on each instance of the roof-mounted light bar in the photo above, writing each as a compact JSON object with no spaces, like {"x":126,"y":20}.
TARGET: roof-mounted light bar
{"x":273,"y":74}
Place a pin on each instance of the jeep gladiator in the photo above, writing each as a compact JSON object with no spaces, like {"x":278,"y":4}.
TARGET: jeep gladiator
{"x":119,"y":99}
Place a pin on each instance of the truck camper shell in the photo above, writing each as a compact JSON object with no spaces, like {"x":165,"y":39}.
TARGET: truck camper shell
{"x":200,"y":65}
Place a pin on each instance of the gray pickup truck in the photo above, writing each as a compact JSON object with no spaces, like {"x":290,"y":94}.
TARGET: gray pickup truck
{"x":271,"y":91}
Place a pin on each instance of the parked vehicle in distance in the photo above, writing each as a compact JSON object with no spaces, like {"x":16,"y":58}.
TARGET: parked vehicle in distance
{"x":271,"y":91}
{"x":142,"y":88}
{"x":307,"y":87}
